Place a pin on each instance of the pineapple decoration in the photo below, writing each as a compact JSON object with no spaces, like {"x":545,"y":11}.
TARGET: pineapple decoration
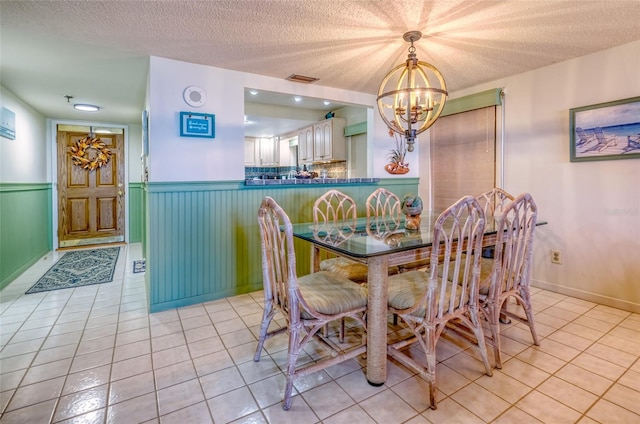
{"x":396,"y":156}
{"x":90,"y":153}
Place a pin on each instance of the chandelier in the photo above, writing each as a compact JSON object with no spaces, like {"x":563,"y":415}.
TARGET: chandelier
{"x":412,"y":95}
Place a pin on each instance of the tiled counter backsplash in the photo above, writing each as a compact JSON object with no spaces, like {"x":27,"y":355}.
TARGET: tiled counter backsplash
{"x":308,"y":182}
{"x":334,"y":170}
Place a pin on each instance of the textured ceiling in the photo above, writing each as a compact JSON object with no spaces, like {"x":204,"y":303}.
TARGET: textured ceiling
{"x":97,"y":50}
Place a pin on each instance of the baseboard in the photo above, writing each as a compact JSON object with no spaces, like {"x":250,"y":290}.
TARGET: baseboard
{"x":589,"y":296}
{"x":209,"y":297}
{"x":20,"y":270}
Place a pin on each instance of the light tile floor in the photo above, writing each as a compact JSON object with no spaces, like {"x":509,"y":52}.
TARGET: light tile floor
{"x":94,"y":355}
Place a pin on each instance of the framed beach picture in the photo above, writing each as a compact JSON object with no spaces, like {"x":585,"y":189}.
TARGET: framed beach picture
{"x":605,"y":131}
{"x":7,"y":124}
{"x":197,"y":125}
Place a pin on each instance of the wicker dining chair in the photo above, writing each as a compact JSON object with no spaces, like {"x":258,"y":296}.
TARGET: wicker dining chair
{"x":336,"y":209}
{"x":427,"y":301}
{"x":307,"y":303}
{"x":492,"y":203}
{"x":510,"y":270}
{"x":383,"y":212}
{"x":384,"y":209}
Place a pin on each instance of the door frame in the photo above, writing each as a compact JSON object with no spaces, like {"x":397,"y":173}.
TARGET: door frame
{"x":52,"y":135}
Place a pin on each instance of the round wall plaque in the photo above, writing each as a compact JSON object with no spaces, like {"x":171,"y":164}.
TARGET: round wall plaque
{"x":194,"y":96}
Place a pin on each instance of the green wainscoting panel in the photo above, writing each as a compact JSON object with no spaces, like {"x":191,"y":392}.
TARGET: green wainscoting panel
{"x":25,"y":227}
{"x":136,"y":215}
{"x":202,"y":240}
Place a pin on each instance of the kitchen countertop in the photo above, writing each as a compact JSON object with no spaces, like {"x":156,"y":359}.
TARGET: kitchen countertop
{"x":309,"y":181}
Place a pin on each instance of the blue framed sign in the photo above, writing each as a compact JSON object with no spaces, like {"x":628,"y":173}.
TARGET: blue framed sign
{"x":197,"y":125}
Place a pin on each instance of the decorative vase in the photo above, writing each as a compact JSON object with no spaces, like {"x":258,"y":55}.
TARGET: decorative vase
{"x":396,"y":168}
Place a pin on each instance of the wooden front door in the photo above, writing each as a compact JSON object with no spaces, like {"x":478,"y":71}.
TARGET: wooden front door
{"x":90,"y":201}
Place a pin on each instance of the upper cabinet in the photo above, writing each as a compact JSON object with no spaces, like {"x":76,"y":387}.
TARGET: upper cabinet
{"x":329,"y":141}
{"x":269,"y":151}
{"x":261,"y":151}
{"x":305,"y":144}
{"x":250,"y":154}
{"x":320,"y":142}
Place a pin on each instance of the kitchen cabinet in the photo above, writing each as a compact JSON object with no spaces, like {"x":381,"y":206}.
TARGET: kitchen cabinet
{"x":269,"y":151}
{"x":261,"y":151}
{"x":328,"y":140}
{"x":250,"y":154}
{"x":305,"y":145}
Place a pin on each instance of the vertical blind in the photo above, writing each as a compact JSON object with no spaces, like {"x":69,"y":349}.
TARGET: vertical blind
{"x":463,"y":155}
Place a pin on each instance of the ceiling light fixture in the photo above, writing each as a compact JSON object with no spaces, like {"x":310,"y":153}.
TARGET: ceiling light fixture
{"x":297,"y":98}
{"x":327,"y":102}
{"x":253,"y":92}
{"x":86,"y":107}
{"x":412,"y":95}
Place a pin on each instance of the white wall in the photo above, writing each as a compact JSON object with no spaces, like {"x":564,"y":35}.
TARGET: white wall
{"x":593,"y":208}
{"x":173,"y":158}
{"x":27,"y":159}
{"x":24,"y":160}
{"x":134,"y":153}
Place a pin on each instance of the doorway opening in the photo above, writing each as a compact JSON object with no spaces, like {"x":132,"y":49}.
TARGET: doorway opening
{"x":90,"y":202}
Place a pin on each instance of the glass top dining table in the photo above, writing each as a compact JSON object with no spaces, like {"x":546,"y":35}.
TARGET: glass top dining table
{"x":379,"y":244}
{"x":360,"y":239}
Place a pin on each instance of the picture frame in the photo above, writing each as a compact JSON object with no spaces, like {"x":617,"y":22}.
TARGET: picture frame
{"x":197,"y":125}
{"x":7,"y":124}
{"x":605,"y":131}
{"x":145,"y":133}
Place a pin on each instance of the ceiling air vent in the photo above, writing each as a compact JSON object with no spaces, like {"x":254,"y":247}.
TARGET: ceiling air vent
{"x":301,"y":78}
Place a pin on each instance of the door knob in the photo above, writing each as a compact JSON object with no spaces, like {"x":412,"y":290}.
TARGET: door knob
{"x":120,"y":192}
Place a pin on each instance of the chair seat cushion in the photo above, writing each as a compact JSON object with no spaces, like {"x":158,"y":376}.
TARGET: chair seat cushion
{"x":331,"y":294}
{"x":486,"y":266}
{"x":406,"y":289}
{"x":348,"y":268}
{"x":423,"y":263}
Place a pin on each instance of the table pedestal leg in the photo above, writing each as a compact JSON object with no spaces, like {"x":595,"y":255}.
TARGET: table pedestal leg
{"x":377,"y":320}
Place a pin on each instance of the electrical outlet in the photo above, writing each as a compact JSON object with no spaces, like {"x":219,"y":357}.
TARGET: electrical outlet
{"x":556,"y":257}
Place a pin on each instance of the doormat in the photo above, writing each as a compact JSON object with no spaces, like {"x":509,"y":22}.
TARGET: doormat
{"x":79,"y":268}
{"x":139,"y":266}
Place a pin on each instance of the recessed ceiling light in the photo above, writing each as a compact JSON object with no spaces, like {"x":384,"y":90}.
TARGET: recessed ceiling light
{"x":327,"y":102}
{"x":253,"y":92}
{"x":297,"y":98}
{"x":86,"y":107}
